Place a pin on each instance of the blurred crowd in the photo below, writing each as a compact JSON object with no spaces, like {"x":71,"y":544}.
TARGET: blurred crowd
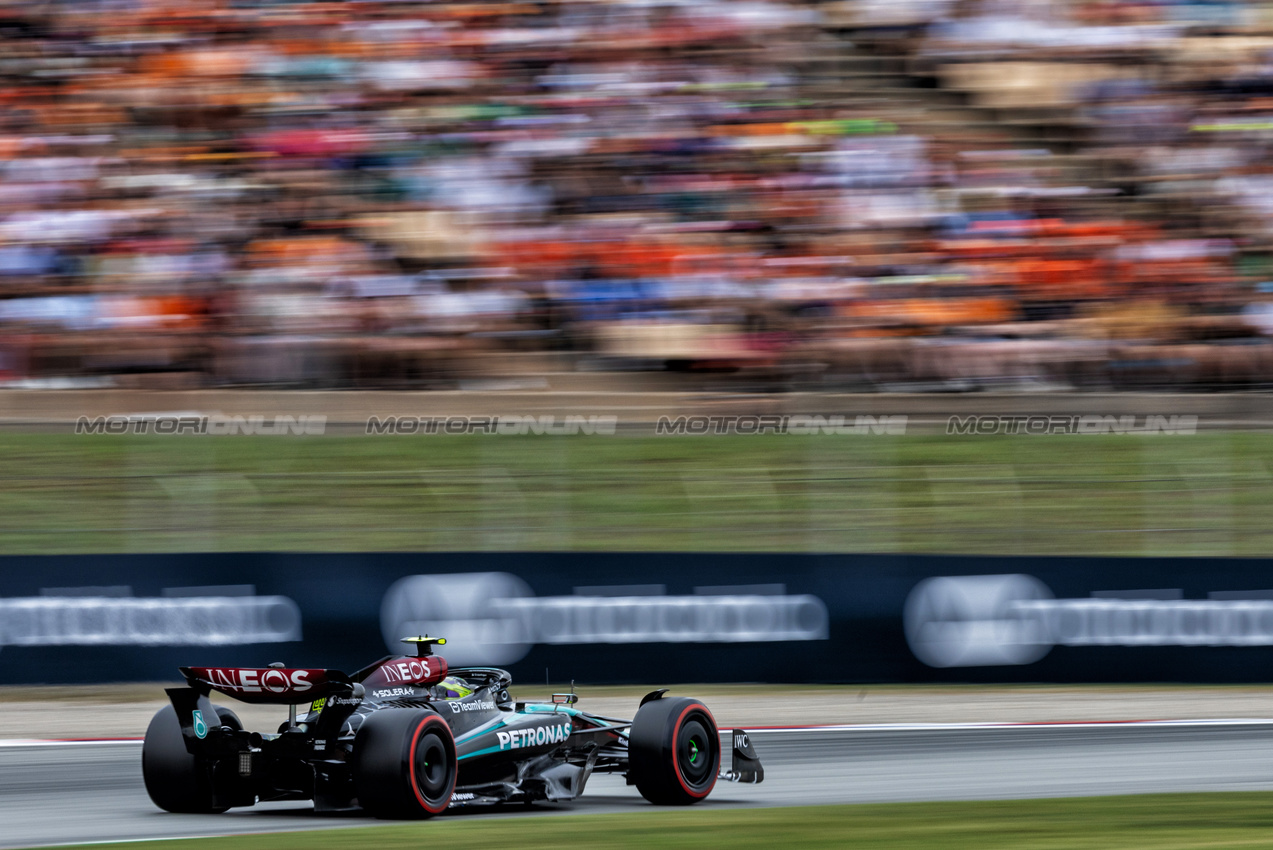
{"x":860,"y":194}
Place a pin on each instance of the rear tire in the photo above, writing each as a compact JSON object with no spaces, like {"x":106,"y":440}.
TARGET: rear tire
{"x":228,"y":718}
{"x":674,"y":751}
{"x":404,"y":763}
{"x":176,"y":780}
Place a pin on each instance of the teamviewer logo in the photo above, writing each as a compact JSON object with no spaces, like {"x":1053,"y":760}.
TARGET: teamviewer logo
{"x":975,"y":621}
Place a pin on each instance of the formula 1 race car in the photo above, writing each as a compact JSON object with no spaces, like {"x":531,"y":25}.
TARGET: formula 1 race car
{"x":408,"y":738}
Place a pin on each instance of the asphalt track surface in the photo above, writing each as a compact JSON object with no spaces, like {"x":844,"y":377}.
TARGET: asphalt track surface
{"x":58,"y":793}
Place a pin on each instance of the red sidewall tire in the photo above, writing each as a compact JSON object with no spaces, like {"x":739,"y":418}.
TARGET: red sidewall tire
{"x":390,"y":779}
{"x":438,"y":803}
{"x":698,"y":792}
{"x":658,"y":752}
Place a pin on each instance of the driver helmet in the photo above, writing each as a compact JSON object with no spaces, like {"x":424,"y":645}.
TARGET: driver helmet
{"x":455,"y":688}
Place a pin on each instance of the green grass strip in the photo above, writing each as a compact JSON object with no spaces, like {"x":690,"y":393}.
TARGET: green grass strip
{"x":1206,"y":494}
{"x":1160,"y":822}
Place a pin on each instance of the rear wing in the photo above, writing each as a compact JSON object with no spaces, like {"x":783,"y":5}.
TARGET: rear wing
{"x":268,"y":685}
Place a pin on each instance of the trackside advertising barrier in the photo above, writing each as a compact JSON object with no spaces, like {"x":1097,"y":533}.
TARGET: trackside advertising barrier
{"x":646,"y":618}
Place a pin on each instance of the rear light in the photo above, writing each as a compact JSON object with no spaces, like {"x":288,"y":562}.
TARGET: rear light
{"x":245,"y":764}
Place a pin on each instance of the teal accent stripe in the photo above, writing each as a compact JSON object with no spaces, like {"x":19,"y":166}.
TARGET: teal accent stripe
{"x":561,"y":709}
{"x":494,"y":749}
{"x":481,"y":730}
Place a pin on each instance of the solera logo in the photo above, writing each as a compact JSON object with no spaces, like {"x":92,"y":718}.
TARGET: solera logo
{"x":973,"y":621}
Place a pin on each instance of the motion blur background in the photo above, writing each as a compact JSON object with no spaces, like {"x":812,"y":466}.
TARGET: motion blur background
{"x":573,"y":207}
{"x":558,"y":206}
{"x":634,"y":209}
{"x":855,"y":195}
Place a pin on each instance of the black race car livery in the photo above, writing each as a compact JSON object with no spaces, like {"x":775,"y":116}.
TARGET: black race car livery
{"x":410,"y":737}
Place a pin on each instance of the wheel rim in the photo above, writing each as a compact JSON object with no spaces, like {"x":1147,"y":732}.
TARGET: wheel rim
{"x":696,"y":755}
{"x":431,"y":767}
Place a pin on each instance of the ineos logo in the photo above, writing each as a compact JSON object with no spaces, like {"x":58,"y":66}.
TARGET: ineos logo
{"x":407,"y":671}
{"x":275,"y":681}
{"x":253,"y":680}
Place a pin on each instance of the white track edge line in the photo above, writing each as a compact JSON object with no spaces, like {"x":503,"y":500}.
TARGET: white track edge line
{"x":282,"y":830}
{"x":842,"y":727}
{"x":14,"y":743}
{"x":975,"y":726}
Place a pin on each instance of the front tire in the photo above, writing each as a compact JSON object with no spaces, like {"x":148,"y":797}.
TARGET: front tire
{"x":404,"y":763}
{"x":674,"y":751}
{"x":176,"y":780}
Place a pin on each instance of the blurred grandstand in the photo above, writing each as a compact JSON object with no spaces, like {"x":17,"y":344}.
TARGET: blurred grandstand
{"x":856,"y":195}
